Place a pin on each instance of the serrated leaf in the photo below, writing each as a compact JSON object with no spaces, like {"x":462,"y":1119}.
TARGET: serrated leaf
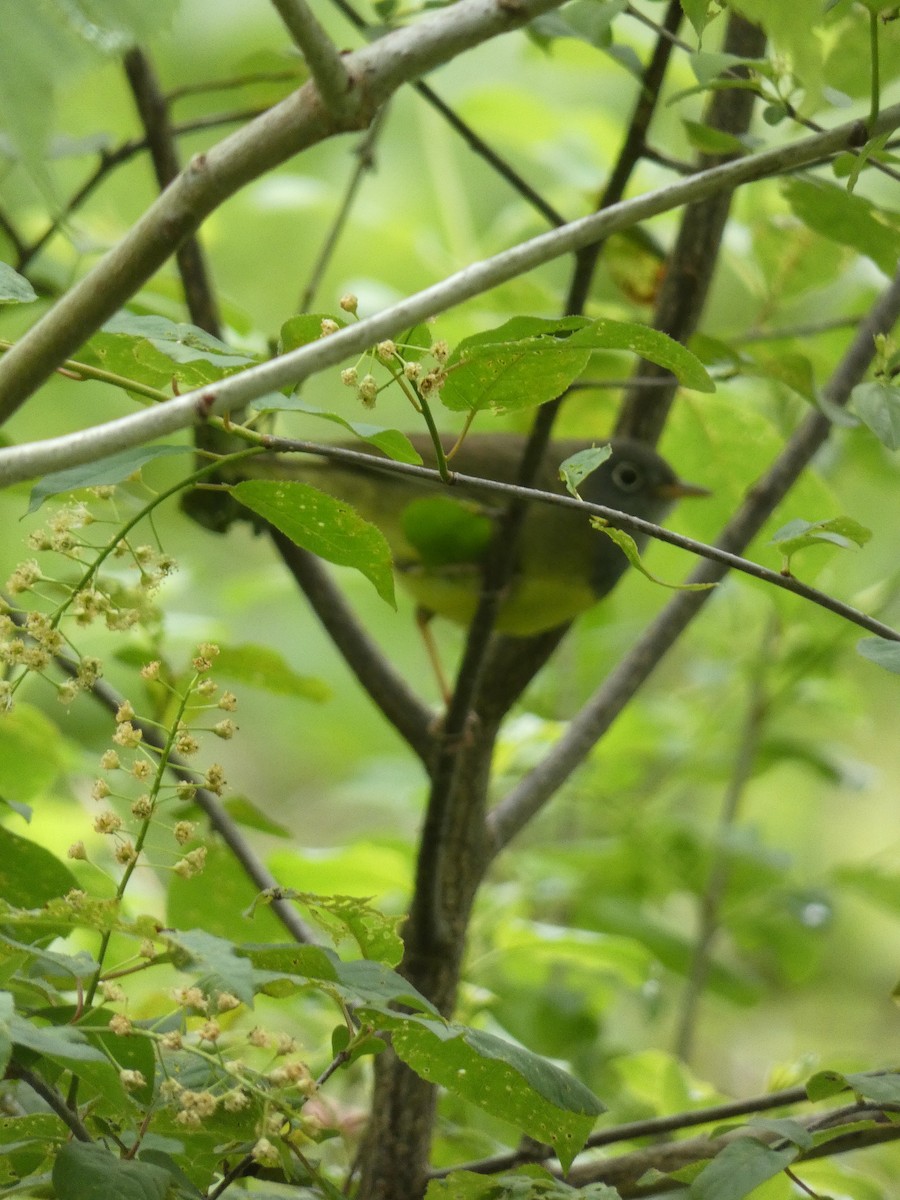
{"x":87,"y":1171}
{"x":575,"y":469}
{"x":505,"y":1080}
{"x":628,"y":546}
{"x":262,"y":667}
{"x":14,"y":288}
{"x":324,"y":526}
{"x":878,"y":405}
{"x":374,"y":933}
{"x":529,"y":360}
{"x":155,"y":351}
{"x":102,"y":472}
{"x":213,"y":961}
{"x":742,"y":1166}
{"x":881,"y":651}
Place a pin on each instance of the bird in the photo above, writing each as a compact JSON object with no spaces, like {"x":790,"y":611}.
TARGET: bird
{"x":440,"y":535}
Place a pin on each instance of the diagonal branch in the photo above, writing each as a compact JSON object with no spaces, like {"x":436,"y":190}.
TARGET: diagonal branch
{"x":36,"y":354}
{"x":536,"y":789}
{"x":387,"y":689}
{"x":299,"y":121}
{"x":320,"y":53}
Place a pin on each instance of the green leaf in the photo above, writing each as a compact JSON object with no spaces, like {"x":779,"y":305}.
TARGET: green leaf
{"x":742,"y":1166}
{"x":86,"y":1171}
{"x":262,"y":667}
{"x":32,"y":754}
{"x":505,"y":1080}
{"x":63,"y":1044}
{"x":391,"y":442}
{"x":303,"y":329}
{"x":445,"y":531}
{"x":214,"y":961}
{"x":45,"y":45}
{"x":530,"y":1182}
{"x":799,"y":534}
{"x":216,"y":901}
{"x":878,"y":405}
{"x":528,"y":361}
{"x":155,"y":351}
{"x":713,"y":141}
{"x":324,"y":526}
{"x":824,"y":1084}
{"x":575,"y":469}
{"x":881,"y":651}
{"x":246,"y":813}
{"x":699,"y":13}
{"x":785,"y":1127}
{"x":881,"y":1089}
{"x":29,"y":874}
{"x":374,"y":933}
{"x":103,"y":471}
{"x":848,"y":219}
{"x":628,"y":546}
{"x":14,"y":288}
{"x":363,"y":981}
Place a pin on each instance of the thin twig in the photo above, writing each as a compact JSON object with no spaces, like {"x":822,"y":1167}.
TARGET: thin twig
{"x":364,"y":164}
{"x":474,"y":140}
{"x":714,"y":553}
{"x":52,"y":1098}
{"x":319,"y":52}
{"x":631,"y":1130}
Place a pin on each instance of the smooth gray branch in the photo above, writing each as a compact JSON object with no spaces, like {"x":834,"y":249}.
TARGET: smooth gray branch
{"x":18,"y":463}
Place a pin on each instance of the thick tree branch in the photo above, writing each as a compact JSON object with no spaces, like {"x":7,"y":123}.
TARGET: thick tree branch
{"x":36,"y":354}
{"x":689,"y":271}
{"x":299,"y":121}
{"x":534,"y":791}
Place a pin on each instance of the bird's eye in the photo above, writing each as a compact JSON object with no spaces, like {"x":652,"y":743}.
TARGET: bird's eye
{"x":627,"y":477}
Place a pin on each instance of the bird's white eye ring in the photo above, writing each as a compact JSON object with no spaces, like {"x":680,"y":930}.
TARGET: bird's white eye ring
{"x":627,"y":477}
